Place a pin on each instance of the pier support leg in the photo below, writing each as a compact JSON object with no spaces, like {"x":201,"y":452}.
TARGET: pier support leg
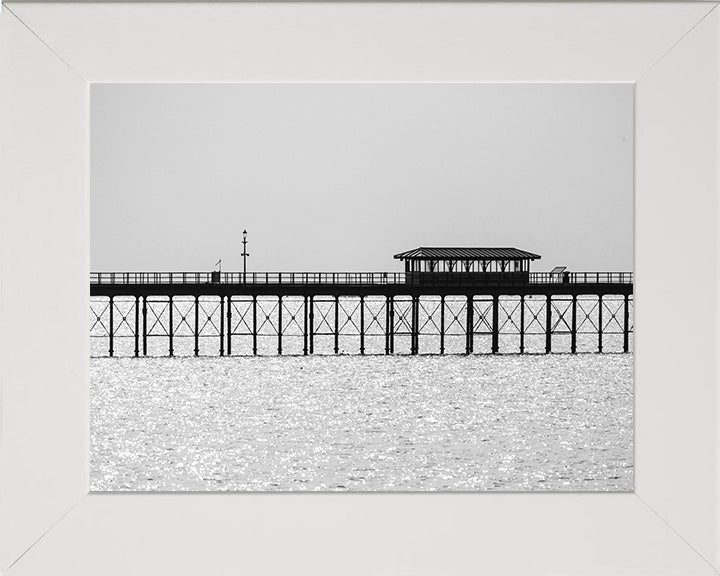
{"x":144,"y":322}
{"x":548,"y":324}
{"x":600,"y":323}
{"x":229,"y":325}
{"x":387,"y":325}
{"x":573,"y":326}
{"x":222,"y":325}
{"x":170,"y":329}
{"x":414,"y":325}
{"x":496,"y":324}
{"x":311,"y":330}
{"x":469,"y":326}
{"x":137,"y":326}
{"x":522,"y":324}
{"x":336,"y":346}
{"x":111,"y":342}
{"x":392,"y":325}
{"x":280,"y":326}
{"x":362,"y":325}
{"x":255,"y":326}
{"x":197,"y":325}
{"x":305,"y":326}
{"x":626,"y":324}
{"x":442,"y":324}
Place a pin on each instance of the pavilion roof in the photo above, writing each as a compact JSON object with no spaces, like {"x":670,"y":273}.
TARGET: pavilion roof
{"x":463,"y":253}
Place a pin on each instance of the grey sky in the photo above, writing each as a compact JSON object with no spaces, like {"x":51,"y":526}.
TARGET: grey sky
{"x":342,"y":176}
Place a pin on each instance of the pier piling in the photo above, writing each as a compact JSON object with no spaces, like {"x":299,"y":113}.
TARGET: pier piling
{"x":626,"y":324}
{"x":495,"y":323}
{"x":197,"y":326}
{"x":111,"y":347}
{"x":229,"y":325}
{"x":171,"y":329}
{"x":469,"y":325}
{"x":548,"y":324}
{"x":522,"y":324}
{"x":222,"y":325}
{"x":600,"y":305}
{"x":137,"y":326}
{"x":573,"y":326}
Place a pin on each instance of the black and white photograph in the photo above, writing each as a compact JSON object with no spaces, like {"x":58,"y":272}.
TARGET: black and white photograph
{"x":361,"y":287}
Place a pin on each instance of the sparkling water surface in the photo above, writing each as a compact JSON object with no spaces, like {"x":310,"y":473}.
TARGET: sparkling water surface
{"x":547,"y":422}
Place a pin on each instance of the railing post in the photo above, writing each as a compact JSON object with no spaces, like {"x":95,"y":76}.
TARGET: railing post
{"x":111,"y":334}
{"x":548,"y":324}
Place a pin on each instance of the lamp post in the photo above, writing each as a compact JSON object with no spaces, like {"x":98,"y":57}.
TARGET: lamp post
{"x":244,"y":254}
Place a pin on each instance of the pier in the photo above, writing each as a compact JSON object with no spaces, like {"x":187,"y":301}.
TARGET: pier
{"x":447,"y":301}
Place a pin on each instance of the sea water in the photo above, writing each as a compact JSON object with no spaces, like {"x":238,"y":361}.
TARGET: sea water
{"x":555,"y":422}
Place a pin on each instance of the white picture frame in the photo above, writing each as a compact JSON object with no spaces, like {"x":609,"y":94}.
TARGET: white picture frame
{"x":49,"y":55}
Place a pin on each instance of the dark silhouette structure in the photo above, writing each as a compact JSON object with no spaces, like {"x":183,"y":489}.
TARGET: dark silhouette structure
{"x":467,"y":266}
{"x":479,"y":291}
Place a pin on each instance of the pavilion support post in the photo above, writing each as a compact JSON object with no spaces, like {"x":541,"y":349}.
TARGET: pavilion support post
{"x":548,"y":324}
{"x":171,"y":349}
{"x":305,"y":326}
{"x":362,"y":325}
{"x":600,"y":323}
{"x":222,"y":325}
{"x":280,"y":325}
{"x":522,"y":324}
{"x":111,"y":332}
{"x":336,"y":346}
{"x":311,"y":328}
{"x":144,"y":322}
{"x":442,"y":324}
{"x":573,"y":326}
{"x":229,"y":325}
{"x":197,"y":325}
{"x":495,"y":324}
{"x":137,"y":326}
{"x":469,"y":325}
{"x":626,"y":324}
{"x":255,"y":326}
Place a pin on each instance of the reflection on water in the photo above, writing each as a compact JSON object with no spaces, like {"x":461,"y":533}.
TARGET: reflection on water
{"x":557,"y":422}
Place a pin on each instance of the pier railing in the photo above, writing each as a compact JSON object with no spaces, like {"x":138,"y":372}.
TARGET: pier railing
{"x":354,"y":278}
